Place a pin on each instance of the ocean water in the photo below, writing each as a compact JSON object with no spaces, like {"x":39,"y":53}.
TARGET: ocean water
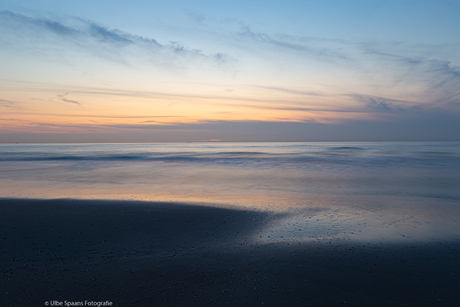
{"x":371,"y":189}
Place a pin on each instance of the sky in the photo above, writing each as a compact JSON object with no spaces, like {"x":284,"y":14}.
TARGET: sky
{"x":174,"y":71}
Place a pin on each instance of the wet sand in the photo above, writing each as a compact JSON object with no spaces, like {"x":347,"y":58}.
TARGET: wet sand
{"x":163,"y":254}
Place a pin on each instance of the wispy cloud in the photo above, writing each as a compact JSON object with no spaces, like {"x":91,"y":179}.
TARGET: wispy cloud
{"x":70,"y":101}
{"x":199,"y":18}
{"x":421,"y":65}
{"x":291,"y":91}
{"x":383,"y":105}
{"x":61,"y":97}
{"x":326,"y":49}
{"x":96,"y":116}
{"x":405,"y":59}
{"x":7,"y":103}
{"x":378,"y":64}
{"x":109,"y":36}
{"x":447,"y":85}
{"x":17,"y":22}
{"x":100,"y":91}
{"x":88,"y":36}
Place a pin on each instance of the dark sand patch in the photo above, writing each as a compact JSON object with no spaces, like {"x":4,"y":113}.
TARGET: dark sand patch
{"x":158,"y":254}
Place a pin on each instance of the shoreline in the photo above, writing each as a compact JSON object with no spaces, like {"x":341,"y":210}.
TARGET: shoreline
{"x":136,"y":253}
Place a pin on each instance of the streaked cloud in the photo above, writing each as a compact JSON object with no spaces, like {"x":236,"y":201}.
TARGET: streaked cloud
{"x":327,"y":49}
{"x":7,"y":103}
{"x":67,"y":100}
{"x":87,"y":35}
{"x":419,"y":125}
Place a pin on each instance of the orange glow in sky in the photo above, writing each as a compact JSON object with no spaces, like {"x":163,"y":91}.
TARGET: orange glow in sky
{"x":77,"y":71}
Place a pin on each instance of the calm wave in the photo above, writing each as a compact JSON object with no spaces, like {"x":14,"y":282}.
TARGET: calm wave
{"x":370,"y":190}
{"x":245,"y":173}
{"x":209,"y":152}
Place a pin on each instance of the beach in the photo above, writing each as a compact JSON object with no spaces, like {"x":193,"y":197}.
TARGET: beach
{"x":237,"y":224}
{"x":132,"y":253}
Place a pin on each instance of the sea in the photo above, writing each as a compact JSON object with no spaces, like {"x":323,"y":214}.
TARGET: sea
{"x":374,"y":190}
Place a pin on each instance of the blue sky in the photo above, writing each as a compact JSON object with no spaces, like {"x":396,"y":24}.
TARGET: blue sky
{"x":134,"y":71}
